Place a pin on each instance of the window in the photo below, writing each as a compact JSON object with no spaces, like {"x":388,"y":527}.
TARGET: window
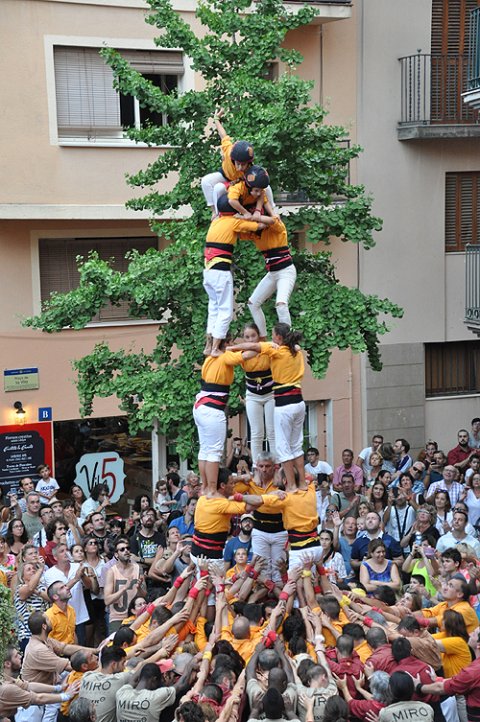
{"x":87,"y":104}
{"x":452,"y":368}
{"x":58,"y":266}
{"x":462,"y":210}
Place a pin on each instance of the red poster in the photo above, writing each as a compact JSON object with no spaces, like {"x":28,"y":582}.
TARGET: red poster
{"x":22,"y":449}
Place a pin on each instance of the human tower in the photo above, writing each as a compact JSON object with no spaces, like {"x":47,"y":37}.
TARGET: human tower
{"x":242,"y":205}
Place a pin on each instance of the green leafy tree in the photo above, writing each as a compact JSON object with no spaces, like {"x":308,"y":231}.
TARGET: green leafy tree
{"x":304,"y":156}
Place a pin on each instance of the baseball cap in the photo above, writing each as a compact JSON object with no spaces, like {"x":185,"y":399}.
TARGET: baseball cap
{"x":247,"y":516}
{"x":165,"y":665}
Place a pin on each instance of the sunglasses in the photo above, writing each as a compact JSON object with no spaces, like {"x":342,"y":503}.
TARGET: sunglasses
{"x":123,"y":549}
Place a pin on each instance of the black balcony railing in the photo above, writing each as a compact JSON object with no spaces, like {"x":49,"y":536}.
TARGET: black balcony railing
{"x":472,"y":284}
{"x":474,"y":53}
{"x":432,"y":87}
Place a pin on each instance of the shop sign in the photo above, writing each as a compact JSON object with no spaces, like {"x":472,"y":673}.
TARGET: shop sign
{"x":22,"y":450}
{"x":101,"y":468}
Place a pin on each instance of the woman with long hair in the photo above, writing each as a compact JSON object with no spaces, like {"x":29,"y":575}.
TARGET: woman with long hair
{"x":388,"y":456}
{"x":29,"y":596}
{"x":76,"y":493}
{"x":443,"y":508}
{"x":453,"y":643}
{"x":8,"y":561}
{"x":94,"y":600}
{"x":332,"y":561}
{"x":288,"y":368}
{"x":259,"y":401}
{"x":377,"y":495}
{"x":378,"y":571}
{"x":16,"y":536}
{"x":471,"y":496}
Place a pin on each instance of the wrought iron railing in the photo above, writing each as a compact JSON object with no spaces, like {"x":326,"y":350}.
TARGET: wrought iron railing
{"x":432,"y":87}
{"x":474,"y":51}
{"x":472,"y":283}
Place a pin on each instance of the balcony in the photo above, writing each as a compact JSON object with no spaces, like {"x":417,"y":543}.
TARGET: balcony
{"x":472,"y":95}
{"x":431,"y":98}
{"x":327,"y":10}
{"x":472,"y":287}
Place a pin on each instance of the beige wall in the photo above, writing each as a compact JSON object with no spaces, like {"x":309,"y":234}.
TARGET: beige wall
{"x":36,"y":172}
{"x":409,"y":264}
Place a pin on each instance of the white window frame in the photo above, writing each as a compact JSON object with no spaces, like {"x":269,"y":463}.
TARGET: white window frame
{"x":185,"y":82}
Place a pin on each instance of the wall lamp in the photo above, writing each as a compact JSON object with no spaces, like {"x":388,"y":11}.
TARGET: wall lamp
{"x":20,"y":413}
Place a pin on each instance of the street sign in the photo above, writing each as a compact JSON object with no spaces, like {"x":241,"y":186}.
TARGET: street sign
{"x":45,"y":413}
{"x":20,"y":379}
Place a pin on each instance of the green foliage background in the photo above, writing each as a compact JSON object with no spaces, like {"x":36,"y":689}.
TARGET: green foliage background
{"x":302,"y":153}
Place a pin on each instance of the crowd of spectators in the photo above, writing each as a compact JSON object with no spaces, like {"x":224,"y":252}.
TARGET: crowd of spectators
{"x":116,"y":620}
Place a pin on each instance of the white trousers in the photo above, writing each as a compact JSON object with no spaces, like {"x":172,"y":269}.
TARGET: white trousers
{"x":296,"y":556}
{"x":260,"y":411}
{"x":270,"y":547}
{"x":214,"y":186}
{"x":283,"y":282}
{"x":219,"y":288}
{"x":288,"y":421}
{"x":212,"y":432}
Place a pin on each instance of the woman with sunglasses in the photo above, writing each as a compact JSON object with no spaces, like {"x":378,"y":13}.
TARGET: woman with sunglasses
{"x":30,"y":596}
{"x":97,"y":632}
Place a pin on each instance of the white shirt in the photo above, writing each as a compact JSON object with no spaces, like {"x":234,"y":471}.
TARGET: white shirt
{"x":321,"y":468}
{"x":54,"y":574}
{"x":365,"y":456}
{"x":448,"y":541}
{"x":473,"y":507}
{"x":46,"y":486}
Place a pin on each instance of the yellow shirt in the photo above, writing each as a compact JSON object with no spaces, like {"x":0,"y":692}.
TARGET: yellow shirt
{"x":221,"y":239}
{"x":274,"y":236}
{"x":72,"y":677}
{"x":213,"y":515}
{"x":245,"y":647}
{"x":240,"y":192}
{"x":251,"y":487}
{"x":63,"y":624}
{"x":228,"y":166}
{"x":463,"y":608}
{"x":287,"y":369}
{"x":456,"y":656}
{"x":299,"y":508}
{"x":363,"y":650}
{"x":219,"y":369}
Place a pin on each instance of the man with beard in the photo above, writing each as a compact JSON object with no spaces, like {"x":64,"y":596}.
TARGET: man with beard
{"x":123,"y":582}
{"x":145,"y":542}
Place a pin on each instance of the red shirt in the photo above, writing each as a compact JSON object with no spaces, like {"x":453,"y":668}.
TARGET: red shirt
{"x":423,"y":672}
{"x":382,"y":660}
{"x":348,"y":666}
{"x":359,"y":707}
{"x":466,"y":683}
{"x":458,"y":454}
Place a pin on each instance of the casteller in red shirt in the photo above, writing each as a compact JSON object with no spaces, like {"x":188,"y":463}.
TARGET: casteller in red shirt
{"x":349,"y":667}
{"x":466,"y":683}
{"x":420,"y":671}
{"x":382,"y":659}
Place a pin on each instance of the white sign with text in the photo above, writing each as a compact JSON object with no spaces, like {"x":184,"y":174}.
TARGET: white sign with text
{"x":101,"y":468}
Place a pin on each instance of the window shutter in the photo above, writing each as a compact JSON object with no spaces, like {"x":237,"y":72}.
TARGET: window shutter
{"x":58,"y":266}
{"x":155,"y":62}
{"x":462,"y":210}
{"x":452,"y":368}
{"x":86,"y":99}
